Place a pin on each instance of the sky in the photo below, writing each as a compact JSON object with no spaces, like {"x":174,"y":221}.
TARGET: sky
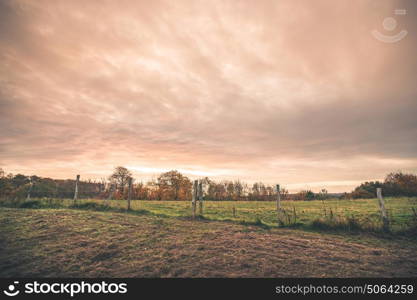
{"x":295,"y":92}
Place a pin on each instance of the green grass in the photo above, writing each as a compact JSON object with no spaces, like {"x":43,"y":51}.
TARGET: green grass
{"x":360,"y":214}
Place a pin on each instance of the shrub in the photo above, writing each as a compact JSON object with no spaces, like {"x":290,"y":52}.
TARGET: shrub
{"x":344,"y":223}
{"x":90,"y":206}
{"x":31,"y":204}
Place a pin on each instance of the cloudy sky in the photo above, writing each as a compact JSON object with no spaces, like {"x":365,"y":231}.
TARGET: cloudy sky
{"x":295,"y":92}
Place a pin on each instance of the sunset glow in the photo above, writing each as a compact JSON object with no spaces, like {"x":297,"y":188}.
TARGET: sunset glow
{"x":273,"y":91}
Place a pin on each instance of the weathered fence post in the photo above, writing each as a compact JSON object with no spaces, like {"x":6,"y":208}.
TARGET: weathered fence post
{"x":129,"y":194}
{"x":194,"y":200}
{"x":200,"y":197}
{"x":76,"y":188}
{"x":384,"y":216}
{"x":278,"y":205}
{"x":278,"y":199}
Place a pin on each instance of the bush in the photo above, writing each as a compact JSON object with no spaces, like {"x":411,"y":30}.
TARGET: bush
{"x":361,"y":193}
{"x":31,"y":204}
{"x":288,"y":218}
{"x":343,"y":224}
{"x":350,"y":223}
{"x":411,"y":230}
{"x":305,"y":195}
{"x":91,"y":206}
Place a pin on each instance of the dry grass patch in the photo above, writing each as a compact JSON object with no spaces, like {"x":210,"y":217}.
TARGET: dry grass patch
{"x":74,"y":243}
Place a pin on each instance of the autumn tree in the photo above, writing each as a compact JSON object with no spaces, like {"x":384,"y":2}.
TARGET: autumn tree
{"x":284,"y":193}
{"x":216,"y":191}
{"x":141,"y":191}
{"x":174,"y":185}
{"x":120,"y":177}
{"x":366,"y":190}
{"x":238,"y":190}
{"x":305,"y":195}
{"x":400,"y":184}
{"x":256,"y":191}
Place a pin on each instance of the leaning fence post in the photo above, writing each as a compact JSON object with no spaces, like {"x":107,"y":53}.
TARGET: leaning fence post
{"x":200,"y":197}
{"x":129,"y":194}
{"x":278,"y":199}
{"x":76,"y":188}
{"x":193,"y":202}
{"x":278,"y":203}
{"x":382,"y":208}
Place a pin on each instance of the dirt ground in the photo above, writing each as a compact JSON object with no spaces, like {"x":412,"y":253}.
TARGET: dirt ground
{"x":75,"y":243}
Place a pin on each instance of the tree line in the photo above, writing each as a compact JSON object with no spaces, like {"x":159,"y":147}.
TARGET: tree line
{"x":170,"y":185}
{"x":173,"y":185}
{"x":395,"y":185}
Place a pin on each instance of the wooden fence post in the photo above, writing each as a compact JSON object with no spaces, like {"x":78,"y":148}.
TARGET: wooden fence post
{"x":278,"y":199}
{"x":76,"y":188}
{"x":382,"y":208}
{"x":129,"y":194}
{"x":278,"y":204}
{"x":194,"y":200}
{"x":200,"y":197}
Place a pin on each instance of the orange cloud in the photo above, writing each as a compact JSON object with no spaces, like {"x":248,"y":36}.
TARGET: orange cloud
{"x":293,"y":92}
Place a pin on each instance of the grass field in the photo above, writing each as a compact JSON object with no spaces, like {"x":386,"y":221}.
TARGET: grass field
{"x":159,"y":239}
{"x":365,"y":211}
{"x":81,"y":243}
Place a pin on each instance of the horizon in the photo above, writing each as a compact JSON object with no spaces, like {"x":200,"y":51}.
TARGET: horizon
{"x":292,"y":189}
{"x":293,"y":93}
